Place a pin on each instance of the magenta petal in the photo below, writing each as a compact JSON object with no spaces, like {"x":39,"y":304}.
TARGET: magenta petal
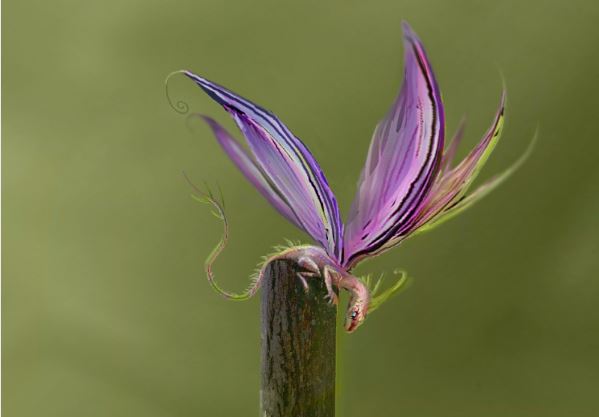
{"x":452,"y":186}
{"x":250,"y":170}
{"x":402,"y":161}
{"x":449,"y":153}
{"x":287,"y":165}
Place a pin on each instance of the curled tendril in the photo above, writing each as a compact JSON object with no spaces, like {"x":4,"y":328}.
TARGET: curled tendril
{"x":180,"y":106}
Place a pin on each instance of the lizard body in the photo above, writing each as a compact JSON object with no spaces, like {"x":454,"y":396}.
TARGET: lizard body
{"x":314,"y":262}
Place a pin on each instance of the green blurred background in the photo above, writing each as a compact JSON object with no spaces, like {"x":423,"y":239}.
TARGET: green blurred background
{"x":106,"y":310}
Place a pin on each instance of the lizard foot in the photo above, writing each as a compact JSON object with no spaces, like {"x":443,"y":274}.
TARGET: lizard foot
{"x":302,"y":278}
{"x":332,"y":298}
{"x":309,"y":265}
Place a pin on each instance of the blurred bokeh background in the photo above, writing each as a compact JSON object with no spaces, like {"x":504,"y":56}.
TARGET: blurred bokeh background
{"x":106,"y":310}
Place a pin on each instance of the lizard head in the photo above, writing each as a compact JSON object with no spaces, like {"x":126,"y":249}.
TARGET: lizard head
{"x":357,"y":307}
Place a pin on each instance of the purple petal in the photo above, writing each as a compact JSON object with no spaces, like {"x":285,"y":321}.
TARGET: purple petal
{"x":250,"y":170}
{"x":402,"y":161}
{"x":287,"y":164}
{"x":452,"y":186}
{"x":449,"y":153}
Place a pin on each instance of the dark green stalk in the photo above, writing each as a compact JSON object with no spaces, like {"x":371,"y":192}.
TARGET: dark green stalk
{"x":298,"y":346}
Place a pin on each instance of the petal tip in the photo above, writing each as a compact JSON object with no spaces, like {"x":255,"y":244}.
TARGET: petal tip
{"x":191,"y":75}
{"x":408,"y":33}
{"x":407,"y":29}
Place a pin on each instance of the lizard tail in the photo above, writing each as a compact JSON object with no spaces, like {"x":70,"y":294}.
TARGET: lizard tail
{"x":219,"y":213}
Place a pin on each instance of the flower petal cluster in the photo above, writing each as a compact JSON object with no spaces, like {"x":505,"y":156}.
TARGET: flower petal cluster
{"x":409,"y":182}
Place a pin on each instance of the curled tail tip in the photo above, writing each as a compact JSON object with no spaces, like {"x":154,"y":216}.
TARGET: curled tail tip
{"x":208,"y":197}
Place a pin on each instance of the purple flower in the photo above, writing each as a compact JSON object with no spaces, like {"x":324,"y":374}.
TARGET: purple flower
{"x":409,"y":182}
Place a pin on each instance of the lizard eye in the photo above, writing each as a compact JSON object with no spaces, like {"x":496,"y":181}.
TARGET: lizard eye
{"x":354,"y":314}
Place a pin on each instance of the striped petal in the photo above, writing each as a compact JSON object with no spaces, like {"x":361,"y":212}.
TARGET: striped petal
{"x":449,"y":153}
{"x":402,"y":161}
{"x":247,"y":165}
{"x":452,"y":186}
{"x":469,"y":200}
{"x":286,"y":164}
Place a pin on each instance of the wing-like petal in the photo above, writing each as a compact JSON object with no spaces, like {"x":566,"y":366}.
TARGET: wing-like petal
{"x":452,"y":186}
{"x":286,"y":164}
{"x":247,"y":165}
{"x":402,"y":161}
{"x":469,"y":200}
{"x":449,"y":153}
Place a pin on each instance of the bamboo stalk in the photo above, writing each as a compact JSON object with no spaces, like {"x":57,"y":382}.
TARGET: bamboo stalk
{"x":298,"y":346}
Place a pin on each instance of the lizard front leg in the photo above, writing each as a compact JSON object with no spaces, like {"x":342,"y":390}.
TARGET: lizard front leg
{"x":330,"y":278}
{"x":311,"y":270}
{"x":329,"y":275}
